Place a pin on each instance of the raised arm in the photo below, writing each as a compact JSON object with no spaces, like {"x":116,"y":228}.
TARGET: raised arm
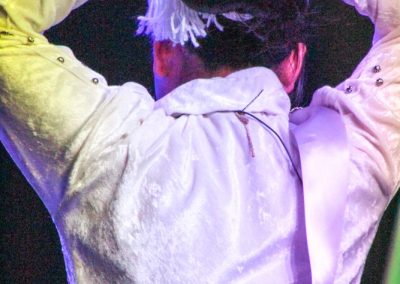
{"x":369,"y":100}
{"x":50,"y":103}
{"x":32,"y":17}
{"x":369,"y":104}
{"x":358,"y":144}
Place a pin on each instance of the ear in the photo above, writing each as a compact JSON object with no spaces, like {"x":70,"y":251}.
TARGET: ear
{"x":162,"y":58}
{"x":290,"y":69}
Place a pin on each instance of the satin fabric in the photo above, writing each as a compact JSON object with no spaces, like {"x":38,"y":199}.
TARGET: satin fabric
{"x":186,"y":190}
{"x":322,"y":148}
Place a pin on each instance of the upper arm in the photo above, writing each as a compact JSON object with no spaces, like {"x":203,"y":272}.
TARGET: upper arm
{"x":50,"y":106}
{"x":369,"y":102}
{"x":42,"y":108}
{"x":35,"y":16}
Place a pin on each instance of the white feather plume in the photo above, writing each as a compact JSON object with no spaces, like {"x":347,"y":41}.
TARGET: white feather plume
{"x":173,"y":20}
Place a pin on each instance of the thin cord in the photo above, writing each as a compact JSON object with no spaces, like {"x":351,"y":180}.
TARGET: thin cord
{"x":253,"y":100}
{"x":277,"y":135}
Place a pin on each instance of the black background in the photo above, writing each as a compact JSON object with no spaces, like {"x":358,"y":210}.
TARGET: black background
{"x":101,"y":34}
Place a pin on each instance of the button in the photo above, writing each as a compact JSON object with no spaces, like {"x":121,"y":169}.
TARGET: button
{"x":379,"y":82}
{"x":95,"y":81}
{"x":61,"y":59}
{"x":349,"y":90}
{"x":31,"y":39}
{"x":377,"y":69}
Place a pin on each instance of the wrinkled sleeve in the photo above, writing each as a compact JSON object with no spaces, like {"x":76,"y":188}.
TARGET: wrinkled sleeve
{"x":35,"y":16}
{"x":50,"y":103}
{"x":368,"y":103}
{"x":369,"y":100}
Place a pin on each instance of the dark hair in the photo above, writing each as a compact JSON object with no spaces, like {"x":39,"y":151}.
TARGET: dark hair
{"x":266,"y":40}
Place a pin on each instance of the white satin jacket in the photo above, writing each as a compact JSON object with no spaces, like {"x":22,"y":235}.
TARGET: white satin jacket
{"x":189,"y":189}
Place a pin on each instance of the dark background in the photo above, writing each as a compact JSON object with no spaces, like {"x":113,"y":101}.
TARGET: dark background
{"x":102,"y":35}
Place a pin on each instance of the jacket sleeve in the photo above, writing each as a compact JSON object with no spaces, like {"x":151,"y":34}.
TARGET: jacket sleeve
{"x":35,"y":16}
{"x":368,"y":103}
{"x":369,"y":100}
{"x":51,"y":105}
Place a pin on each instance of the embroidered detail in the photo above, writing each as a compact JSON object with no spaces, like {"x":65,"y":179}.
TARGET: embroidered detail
{"x":245,"y":121}
{"x":277,"y":136}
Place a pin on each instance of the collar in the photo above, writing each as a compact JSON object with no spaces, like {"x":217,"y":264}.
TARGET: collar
{"x":254,"y":90}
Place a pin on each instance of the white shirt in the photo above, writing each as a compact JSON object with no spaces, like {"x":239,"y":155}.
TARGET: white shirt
{"x":188,"y":190}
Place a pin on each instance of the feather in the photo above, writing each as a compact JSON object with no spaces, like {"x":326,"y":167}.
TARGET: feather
{"x":173,"y":20}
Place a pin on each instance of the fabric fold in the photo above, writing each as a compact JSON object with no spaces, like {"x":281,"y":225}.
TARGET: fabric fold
{"x":325,"y":153}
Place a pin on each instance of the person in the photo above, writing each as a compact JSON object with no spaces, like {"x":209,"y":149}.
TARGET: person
{"x":211,"y":183}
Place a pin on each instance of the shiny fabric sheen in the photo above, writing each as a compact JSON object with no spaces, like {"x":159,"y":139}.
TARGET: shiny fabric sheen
{"x":186,"y":189}
{"x":213,"y":214}
{"x":322,"y":148}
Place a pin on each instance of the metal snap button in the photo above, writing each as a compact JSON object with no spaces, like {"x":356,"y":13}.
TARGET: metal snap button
{"x":379,"y":82}
{"x":377,"y":69}
{"x":349,"y":90}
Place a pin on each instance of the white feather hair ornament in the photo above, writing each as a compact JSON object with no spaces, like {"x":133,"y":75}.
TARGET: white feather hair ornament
{"x":173,"y":20}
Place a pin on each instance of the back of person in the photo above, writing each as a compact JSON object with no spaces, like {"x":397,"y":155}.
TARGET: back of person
{"x":179,"y":205}
{"x":211,"y":183}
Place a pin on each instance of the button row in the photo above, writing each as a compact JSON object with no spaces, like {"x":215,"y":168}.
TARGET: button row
{"x":61,"y":59}
{"x":379,"y":82}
